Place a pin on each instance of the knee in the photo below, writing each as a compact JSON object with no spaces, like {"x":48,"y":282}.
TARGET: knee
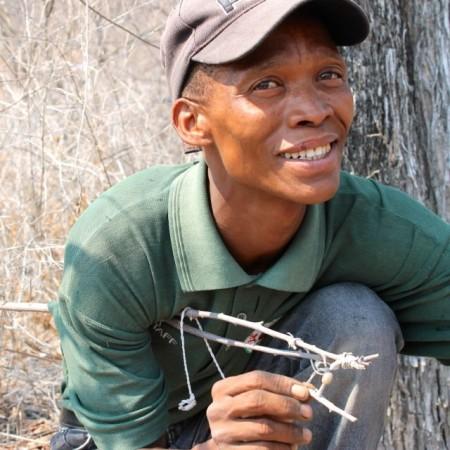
{"x":357,"y":318}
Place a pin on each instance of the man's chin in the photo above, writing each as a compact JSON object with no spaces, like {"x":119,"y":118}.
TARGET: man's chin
{"x":316,"y":194}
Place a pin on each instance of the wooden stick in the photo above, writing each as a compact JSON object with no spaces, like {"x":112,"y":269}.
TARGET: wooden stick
{"x":290,"y":340}
{"x":331,"y":406}
{"x":25,"y":307}
{"x":235,"y":343}
{"x":22,"y":438}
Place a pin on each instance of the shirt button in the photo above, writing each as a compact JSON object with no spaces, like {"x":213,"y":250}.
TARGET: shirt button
{"x":242,"y":316}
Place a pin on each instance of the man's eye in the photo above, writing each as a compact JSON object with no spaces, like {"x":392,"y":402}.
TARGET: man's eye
{"x":266,"y":84}
{"x":330,"y":75}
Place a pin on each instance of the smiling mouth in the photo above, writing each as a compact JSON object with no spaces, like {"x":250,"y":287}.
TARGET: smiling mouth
{"x":311,"y":154}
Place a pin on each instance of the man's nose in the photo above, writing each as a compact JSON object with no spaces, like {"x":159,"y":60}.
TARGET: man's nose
{"x":308,"y":107}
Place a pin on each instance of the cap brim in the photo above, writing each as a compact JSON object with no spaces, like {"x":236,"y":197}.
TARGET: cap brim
{"x":345,"y":20}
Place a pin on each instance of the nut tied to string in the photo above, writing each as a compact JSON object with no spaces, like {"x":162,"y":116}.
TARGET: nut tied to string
{"x":323,"y":363}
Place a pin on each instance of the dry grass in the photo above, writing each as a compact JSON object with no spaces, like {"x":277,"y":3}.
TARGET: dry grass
{"x":83,"y":104}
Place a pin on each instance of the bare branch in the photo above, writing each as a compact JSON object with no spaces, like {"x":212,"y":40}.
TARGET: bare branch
{"x":151,"y":44}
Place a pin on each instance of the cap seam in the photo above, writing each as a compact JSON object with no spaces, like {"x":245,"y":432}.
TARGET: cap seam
{"x":183,"y":21}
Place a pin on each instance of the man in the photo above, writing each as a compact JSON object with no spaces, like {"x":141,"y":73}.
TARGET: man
{"x":265,"y":226}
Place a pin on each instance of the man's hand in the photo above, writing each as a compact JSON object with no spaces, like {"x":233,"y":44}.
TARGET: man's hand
{"x":259,"y":410}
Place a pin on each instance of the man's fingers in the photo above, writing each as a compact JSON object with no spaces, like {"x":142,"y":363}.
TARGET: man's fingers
{"x":259,"y":380}
{"x":258,"y":403}
{"x":264,"y":430}
{"x":259,"y":410}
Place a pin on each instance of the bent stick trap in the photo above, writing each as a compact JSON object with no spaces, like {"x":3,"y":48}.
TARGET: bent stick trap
{"x":323,"y":363}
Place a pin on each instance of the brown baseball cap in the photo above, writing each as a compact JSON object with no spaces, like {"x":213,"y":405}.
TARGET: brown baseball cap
{"x":223,"y":31}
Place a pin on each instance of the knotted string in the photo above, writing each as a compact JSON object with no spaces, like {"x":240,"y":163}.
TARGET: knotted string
{"x":190,"y":402}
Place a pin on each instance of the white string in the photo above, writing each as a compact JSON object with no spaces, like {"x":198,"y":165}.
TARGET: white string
{"x":210,"y":350}
{"x":349,"y":361}
{"x":188,"y":403}
{"x":292,"y":341}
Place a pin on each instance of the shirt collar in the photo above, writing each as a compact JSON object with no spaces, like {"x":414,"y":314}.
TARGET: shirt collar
{"x":204,"y":263}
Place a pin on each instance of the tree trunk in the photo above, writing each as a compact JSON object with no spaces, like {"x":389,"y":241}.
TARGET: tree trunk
{"x":401,"y":81}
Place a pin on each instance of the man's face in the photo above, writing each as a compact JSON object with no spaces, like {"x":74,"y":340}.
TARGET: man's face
{"x":279,"y":118}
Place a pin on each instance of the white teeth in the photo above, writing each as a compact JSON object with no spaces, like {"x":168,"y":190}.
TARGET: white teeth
{"x":310,"y":154}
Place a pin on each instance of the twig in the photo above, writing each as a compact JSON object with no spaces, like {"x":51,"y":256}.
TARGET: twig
{"x":235,"y":343}
{"x":25,"y":307}
{"x":30,"y":355}
{"x":293,"y":342}
{"x":21,"y":438}
{"x":151,"y":44}
{"x":314,"y":393}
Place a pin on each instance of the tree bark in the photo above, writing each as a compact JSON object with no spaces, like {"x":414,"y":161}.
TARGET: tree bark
{"x":401,"y":81}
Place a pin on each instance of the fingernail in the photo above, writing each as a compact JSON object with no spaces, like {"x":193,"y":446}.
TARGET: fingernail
{"x":300,"y":392}
{"x":306,"y":411}
{"x":307,"y":435}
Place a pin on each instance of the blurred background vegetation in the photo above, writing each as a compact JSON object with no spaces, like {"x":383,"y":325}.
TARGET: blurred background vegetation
{"x":83,"y":104}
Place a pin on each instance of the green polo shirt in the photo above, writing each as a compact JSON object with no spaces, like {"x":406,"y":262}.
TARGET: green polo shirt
{"x":149,"y":247}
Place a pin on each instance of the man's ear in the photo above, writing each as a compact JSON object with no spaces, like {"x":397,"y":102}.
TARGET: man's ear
{"x":191,"y":123}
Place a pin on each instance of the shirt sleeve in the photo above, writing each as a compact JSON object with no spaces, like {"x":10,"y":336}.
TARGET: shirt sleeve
{"x":114,"y":383}
{"x":391,"y":243}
